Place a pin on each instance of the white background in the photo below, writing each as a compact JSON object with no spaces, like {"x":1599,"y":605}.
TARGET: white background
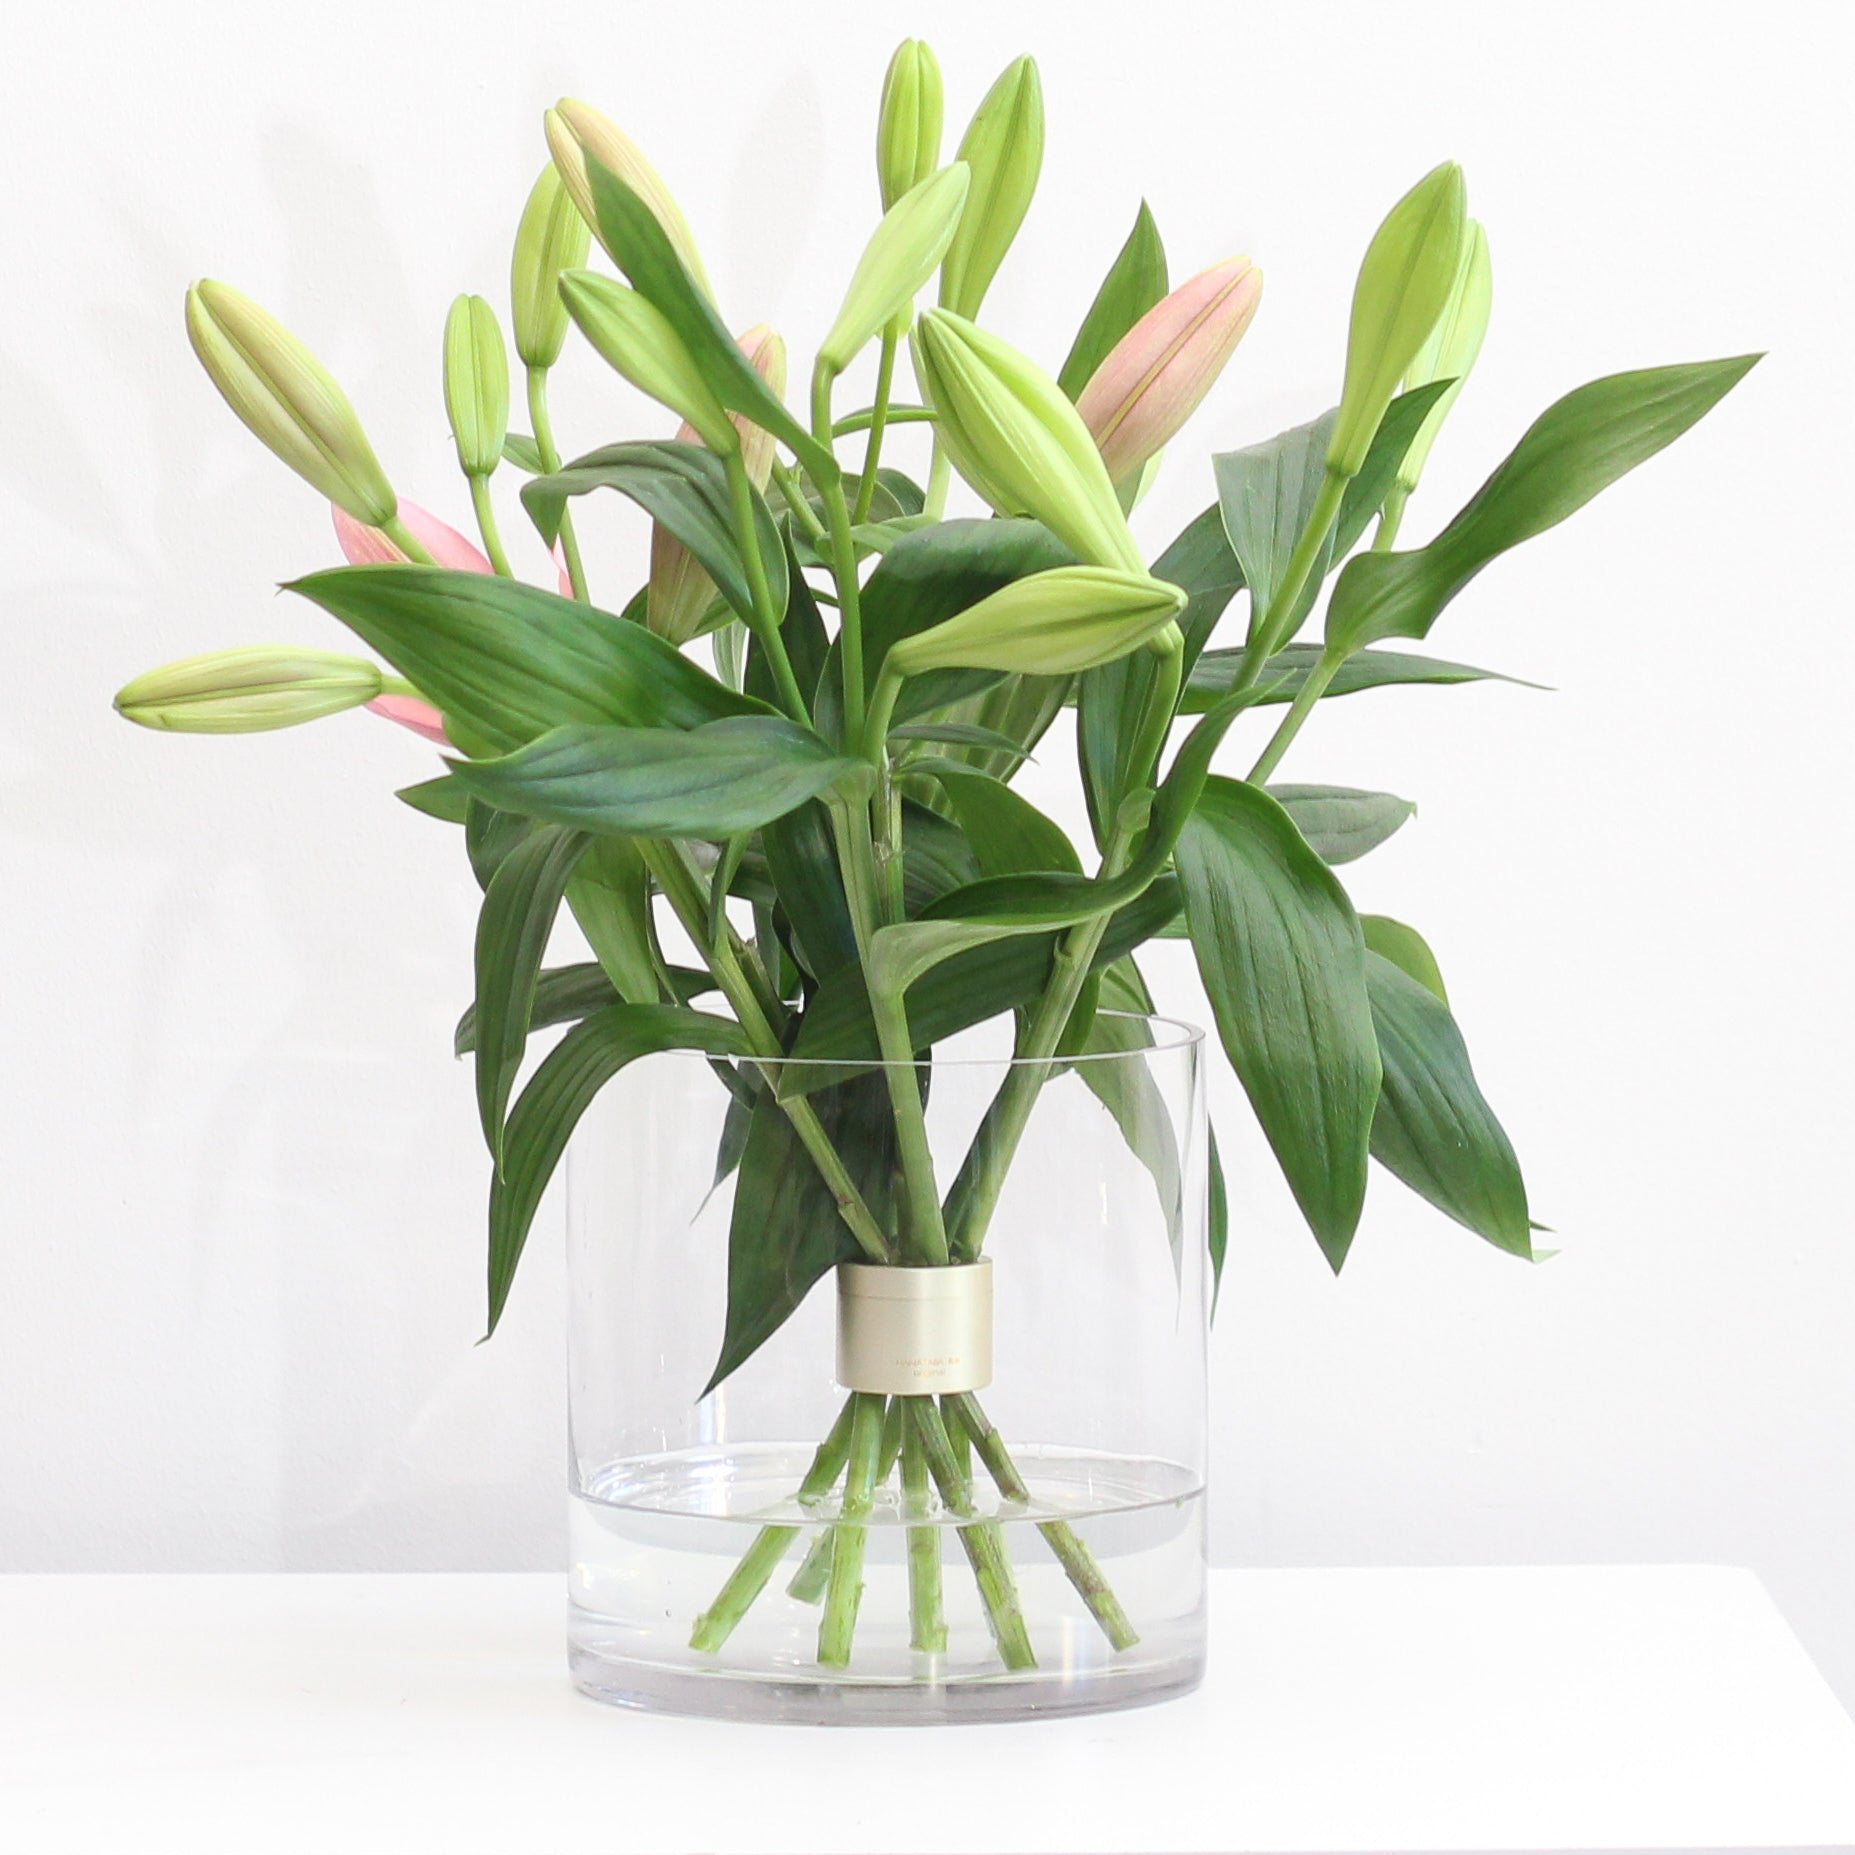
{"x":241,"y":1194}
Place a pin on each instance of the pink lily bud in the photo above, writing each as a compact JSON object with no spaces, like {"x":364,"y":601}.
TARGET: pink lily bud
{"x":1156,"y":374}
{"x":680,"y":591}
{"x":412,"y":712}
{"x":362,"y":546}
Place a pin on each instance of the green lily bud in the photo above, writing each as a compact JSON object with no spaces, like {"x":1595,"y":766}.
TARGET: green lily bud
{"x":1451,"y":350}
{"x":551,"y":238}
{"x":908,"y":123}
{"x":576,"y":130}
{"x":1053,"y":623}
{"x":898,"y":260}
{"x":287,"y":399}
{"x":247,"y":690}
{"x":1013,"y":434}
{"x":1003,"y":146}
{"x":1404,"y":281}
{"x":476,"y":385}
{"x":633,"y":336}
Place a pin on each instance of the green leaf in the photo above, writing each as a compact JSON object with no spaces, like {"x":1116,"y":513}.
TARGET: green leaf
{"x":950,"y":734}
{"x":563,"y":994}
{"x":441,"y":798}
{"x":803,"y":638}
{"x":1136,"y":280}
{"x":1217,"y":1219}
{"x":1406,"y":949}
{"x":513,"y":926}
{"x":1365,"y":493}
{"x":505,"y":662}
{"x":610,"y":895}
{"x":1340,"y":822}
{"x":1007,"y":833}
{"x":1019,"y":710}
{"x":801,"y":856}
{"x":966,"y":989}
{"x":521,"y":450}
{"x":1285,"y":672}
{"x":560,"y":1091}
{"x":1283,"y":963}
{"x":683,"y":487}
{"x":786,"y":1232}
{"x":630,"y":232}
{"x":713,"y":781}
{"x":935,"y":858}
{"x":1433,"y":1128}
{"x":489,"y":836}
{"x":1575,"y":449}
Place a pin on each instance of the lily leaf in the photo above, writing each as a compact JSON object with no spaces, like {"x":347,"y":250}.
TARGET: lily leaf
{"x":1339,"y":822}
{"x":1136,"y":280}
{"x":1283,"y":963}
{"x":1007,"y":833}
{"x":1407,"y":950}
{"x":1282,"y":676}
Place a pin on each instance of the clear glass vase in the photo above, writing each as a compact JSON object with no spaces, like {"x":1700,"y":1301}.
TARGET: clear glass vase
{"x":970,"y":1540}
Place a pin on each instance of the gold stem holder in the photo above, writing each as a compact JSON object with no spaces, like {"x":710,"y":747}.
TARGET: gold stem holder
{"x":914,"y":1332}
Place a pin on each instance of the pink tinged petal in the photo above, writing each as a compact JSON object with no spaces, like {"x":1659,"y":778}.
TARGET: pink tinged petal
{"x":1156,"y":374}
{"x":366,"y":547}
{"x":412,"y":712}
{"x":560,"y":568}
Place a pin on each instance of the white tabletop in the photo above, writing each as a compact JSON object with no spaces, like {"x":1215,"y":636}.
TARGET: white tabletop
{"x":1607,"y":1707}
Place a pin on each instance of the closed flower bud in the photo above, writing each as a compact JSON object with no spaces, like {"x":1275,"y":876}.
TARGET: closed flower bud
{"x":633,"y":336}
{"x":1151,"y":381}
{"x":1014,"y":436}
{"x":575,"y":131}
{"x":898,"y":260}
{"x":908,"y":123}
{"x":1054,"y":623}
{"x":1451,"y":350}
{"x":681,"y":591}
{"x":1003,"y":146}
{"x":476,"y":385}
{"x":552,"y":237}
{"x":1405,"y":279}
{"x":248,"y":690}
{"x":287,"y":398}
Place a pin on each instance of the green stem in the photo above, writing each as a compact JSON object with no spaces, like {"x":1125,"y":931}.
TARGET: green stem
{"x":862,"y":419}
{"x":766,"y":618}
{"x":809,"y":1581}
{"x":407,"y":542}
{"x":550,"y":460}
{"x":802,"y":511}
{"x":879,"y":418}
{"x":1078,"y":1563}
{"x":927,"y":1622}
{"x":686,"y":898}
{"x":843,"y":565}
{"x":748,"y":1579}
{"x":486,"y":525}
{"x":1268,"y":627}
{"x":844,"y":1593}
{"x":981,"y":1541}
{"x":1390,"y":519}
{"x":940,"y":474}
{"x":1310,"y":692}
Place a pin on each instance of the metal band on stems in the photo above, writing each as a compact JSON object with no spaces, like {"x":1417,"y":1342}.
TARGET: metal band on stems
{"x":919,"y":1331}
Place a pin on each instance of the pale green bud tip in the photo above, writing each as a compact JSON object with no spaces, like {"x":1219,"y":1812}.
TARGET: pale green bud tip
{"x":1003,"y":146}
{"x":476,"y":385}
{"x":1055,"y":623}
{"x":1452,"y":349}
{"x":1404,"y":283}
{"x":247,"y":690}
{"x":632,"y":335}
{"x":908,"y":124}
{"x":551,"y":238}
{"x":898,"y":260}
{"x":287,"y":399}
{"x":1013,"y":434}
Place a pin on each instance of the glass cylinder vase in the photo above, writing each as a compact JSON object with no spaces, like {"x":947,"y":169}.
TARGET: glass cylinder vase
{"x":964,"y":1482}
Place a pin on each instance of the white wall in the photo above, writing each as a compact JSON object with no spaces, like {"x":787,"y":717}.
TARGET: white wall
{"x":242,"y":1185}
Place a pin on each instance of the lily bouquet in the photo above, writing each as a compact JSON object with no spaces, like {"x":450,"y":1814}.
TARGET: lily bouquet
{"x":812,"y":854}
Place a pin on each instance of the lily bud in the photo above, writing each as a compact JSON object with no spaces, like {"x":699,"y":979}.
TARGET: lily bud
{"x":1003,"y":146}
{"x":1152,"y":379}
{"x":681,"y":591}
{"x":1451,"y":350}
{"x":1014,"y":436}
{"x":576,"y":130}
{"x":1405,"y":279}
{"x":552,"y":237}
{"x":362,"y":546}
{"x":476,"y":385}
{"x":633,"y":336}
{"x":898,"y":260}
{"x":908,"y":122}
{"x":413,"y":712}
{"x":287,"y":399}
{"x":1053,"y":623}
{"x":247,"y":690}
